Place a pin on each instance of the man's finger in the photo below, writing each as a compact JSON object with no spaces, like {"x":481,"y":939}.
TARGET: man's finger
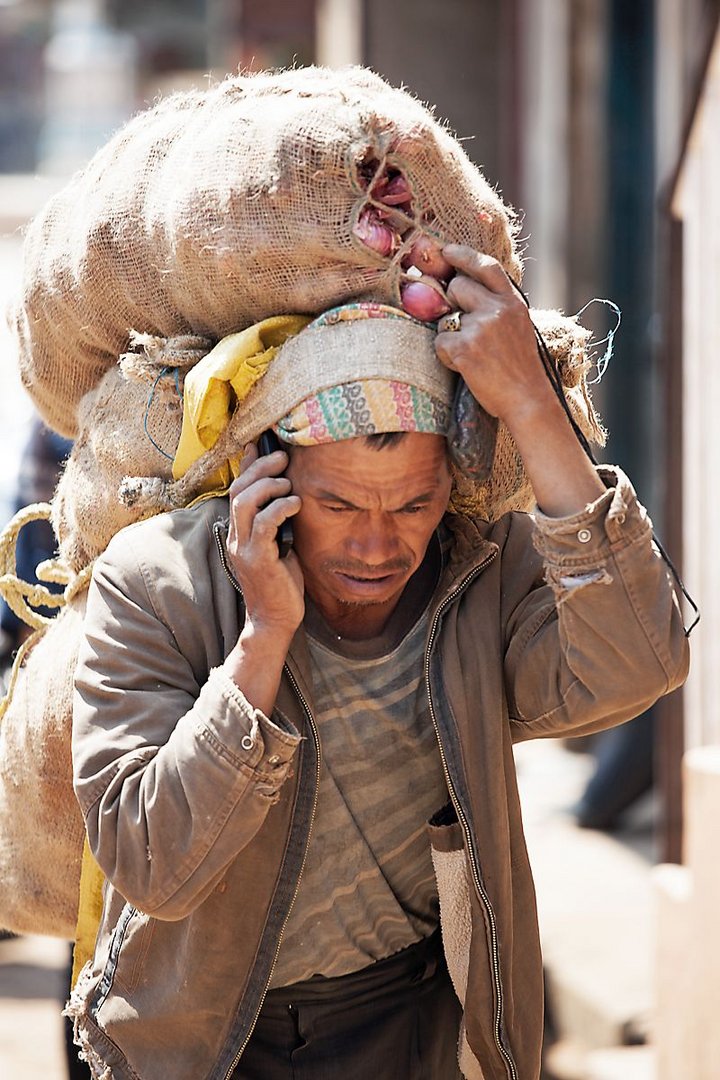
{"x":252,"y":497}
{"x":482,"y":268}
{"x":470,"y":295}
{"x":276,"y":512}
{"x":250,"y":454}
{"x":267,"y":465}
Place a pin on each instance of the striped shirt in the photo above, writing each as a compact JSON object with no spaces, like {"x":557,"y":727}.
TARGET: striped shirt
{"x":368,"y":888}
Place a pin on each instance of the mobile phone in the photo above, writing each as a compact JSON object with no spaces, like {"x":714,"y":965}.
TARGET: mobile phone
{"x":267,"y":444}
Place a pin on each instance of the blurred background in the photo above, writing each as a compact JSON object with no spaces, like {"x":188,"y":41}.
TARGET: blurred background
{"x":599,"y":120}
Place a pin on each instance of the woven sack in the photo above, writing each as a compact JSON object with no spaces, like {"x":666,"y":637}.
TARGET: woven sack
{"x":204,"y":215}
{"x":128,"y":425}
{"x":216,"y":209}
{"x":42,"y":827}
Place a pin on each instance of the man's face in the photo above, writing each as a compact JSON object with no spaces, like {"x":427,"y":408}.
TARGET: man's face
{"x":366,"y":520}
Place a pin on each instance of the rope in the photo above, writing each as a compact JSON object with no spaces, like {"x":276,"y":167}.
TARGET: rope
{"x":20,"y":595}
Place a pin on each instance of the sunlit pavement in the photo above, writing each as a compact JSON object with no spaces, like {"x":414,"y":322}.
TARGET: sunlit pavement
{"x":32,"y":990}
{"x":596,"y":911}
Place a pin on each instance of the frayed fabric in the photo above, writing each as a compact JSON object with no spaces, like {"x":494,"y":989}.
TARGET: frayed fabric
{"x":76,"y":1010}
{"x":451,"y":875}
{"x":563,"y":582}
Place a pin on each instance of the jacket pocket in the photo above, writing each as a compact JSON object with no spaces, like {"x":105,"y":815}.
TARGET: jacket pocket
{"x":453,"y":885}
{"x":128,"y":949}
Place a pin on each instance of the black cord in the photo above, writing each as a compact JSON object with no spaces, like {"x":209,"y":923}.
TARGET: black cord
{"x":551,"y":370}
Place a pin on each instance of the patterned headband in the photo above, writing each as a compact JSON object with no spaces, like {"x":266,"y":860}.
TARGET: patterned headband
{"x":363,"y":406}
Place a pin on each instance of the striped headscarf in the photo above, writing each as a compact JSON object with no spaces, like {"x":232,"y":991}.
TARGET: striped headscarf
{"x":362,"y":406}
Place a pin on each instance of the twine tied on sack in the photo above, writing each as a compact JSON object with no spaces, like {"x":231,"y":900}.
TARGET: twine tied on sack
{"x":160,"y":356}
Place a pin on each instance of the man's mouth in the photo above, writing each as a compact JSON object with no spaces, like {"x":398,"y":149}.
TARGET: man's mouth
{"x":367,"y":577}
{"x":367,"y":581}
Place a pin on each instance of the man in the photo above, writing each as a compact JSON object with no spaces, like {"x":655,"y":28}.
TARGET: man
{"x":259,"y":741}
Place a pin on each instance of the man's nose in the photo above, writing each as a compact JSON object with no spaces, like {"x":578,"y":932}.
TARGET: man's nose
{"x":374,"y":543}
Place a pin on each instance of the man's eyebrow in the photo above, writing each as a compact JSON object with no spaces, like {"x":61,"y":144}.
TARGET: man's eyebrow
{"x":424,"y":497}
{"x":330,"y":496}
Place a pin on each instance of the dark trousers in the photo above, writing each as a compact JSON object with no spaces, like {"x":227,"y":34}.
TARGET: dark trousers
{"x":395,"y":1020}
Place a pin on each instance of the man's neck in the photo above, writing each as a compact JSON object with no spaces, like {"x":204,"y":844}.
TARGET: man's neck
{"x":359,"y":622}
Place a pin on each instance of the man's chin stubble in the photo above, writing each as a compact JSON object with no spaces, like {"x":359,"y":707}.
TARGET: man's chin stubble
{"x":349,"y":605}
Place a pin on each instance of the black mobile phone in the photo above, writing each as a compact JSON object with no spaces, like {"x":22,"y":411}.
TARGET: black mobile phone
{"x":267,"y":444}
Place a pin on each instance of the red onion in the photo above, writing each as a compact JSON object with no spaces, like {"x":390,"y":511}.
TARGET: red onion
{"x":375,"y":234}
{"x":424,"y":300}
{"x":393,"y":191}
{"x":426,"y":254}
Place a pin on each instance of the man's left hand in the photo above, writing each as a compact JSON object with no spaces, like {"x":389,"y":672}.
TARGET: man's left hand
{"x":495,"y":351}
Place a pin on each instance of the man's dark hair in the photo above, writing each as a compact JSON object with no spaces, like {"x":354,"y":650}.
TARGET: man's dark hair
{"x":384,"y":438}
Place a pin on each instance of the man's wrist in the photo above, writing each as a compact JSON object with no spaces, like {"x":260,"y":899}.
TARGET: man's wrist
{"x":255,"y":663}
{"x":258,"y":638}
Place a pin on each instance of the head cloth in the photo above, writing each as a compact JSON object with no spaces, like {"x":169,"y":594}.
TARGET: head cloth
{"x":363,"y":406}
{"x":359,"y":369}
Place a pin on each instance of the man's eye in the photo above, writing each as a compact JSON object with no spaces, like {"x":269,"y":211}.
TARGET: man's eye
{"x":412,"y":509}
{"x":338,"y":509}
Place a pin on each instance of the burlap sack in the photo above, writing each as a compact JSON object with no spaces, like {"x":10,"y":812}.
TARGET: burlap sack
{"x":41,"y":826}
{"x":203,"y":215}
{"x":216,"y":209}
{"x":129,"y":424}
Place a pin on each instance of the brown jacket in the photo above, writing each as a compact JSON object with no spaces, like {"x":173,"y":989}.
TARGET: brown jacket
{"x":199,"y":808}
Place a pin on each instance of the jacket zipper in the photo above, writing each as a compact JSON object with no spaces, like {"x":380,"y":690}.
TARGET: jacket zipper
{"x":316,"y":738}
{"x":479,"y":888}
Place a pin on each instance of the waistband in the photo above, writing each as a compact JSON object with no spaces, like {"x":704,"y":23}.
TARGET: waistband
{"x":414,"y":964}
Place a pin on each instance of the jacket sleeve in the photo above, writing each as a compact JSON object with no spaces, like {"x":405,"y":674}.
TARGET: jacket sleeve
{"x":603,"y":638}
{"x":174,"y":773}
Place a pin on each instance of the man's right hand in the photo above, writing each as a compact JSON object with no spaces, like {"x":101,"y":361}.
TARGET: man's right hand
{"x":260,"y":500}
{"x":273,"y":588}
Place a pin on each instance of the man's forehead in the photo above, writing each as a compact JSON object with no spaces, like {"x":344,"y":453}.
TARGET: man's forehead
{"x":413,"y":462}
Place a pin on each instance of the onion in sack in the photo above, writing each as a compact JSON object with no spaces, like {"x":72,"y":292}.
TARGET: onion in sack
{"x":426,"y":254}
{"x":424,"y":299}
{"x":375,"y":234}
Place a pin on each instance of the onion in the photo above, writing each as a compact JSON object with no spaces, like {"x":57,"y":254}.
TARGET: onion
{"x":426,"y":254}
{"x":393,"y":191}
{"x":375,"y":234}
{"x":424,"y":300}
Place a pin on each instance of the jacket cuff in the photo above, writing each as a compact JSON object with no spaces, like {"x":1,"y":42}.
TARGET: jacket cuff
{"x":257,"y":742}
{"x":585,"y":540}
